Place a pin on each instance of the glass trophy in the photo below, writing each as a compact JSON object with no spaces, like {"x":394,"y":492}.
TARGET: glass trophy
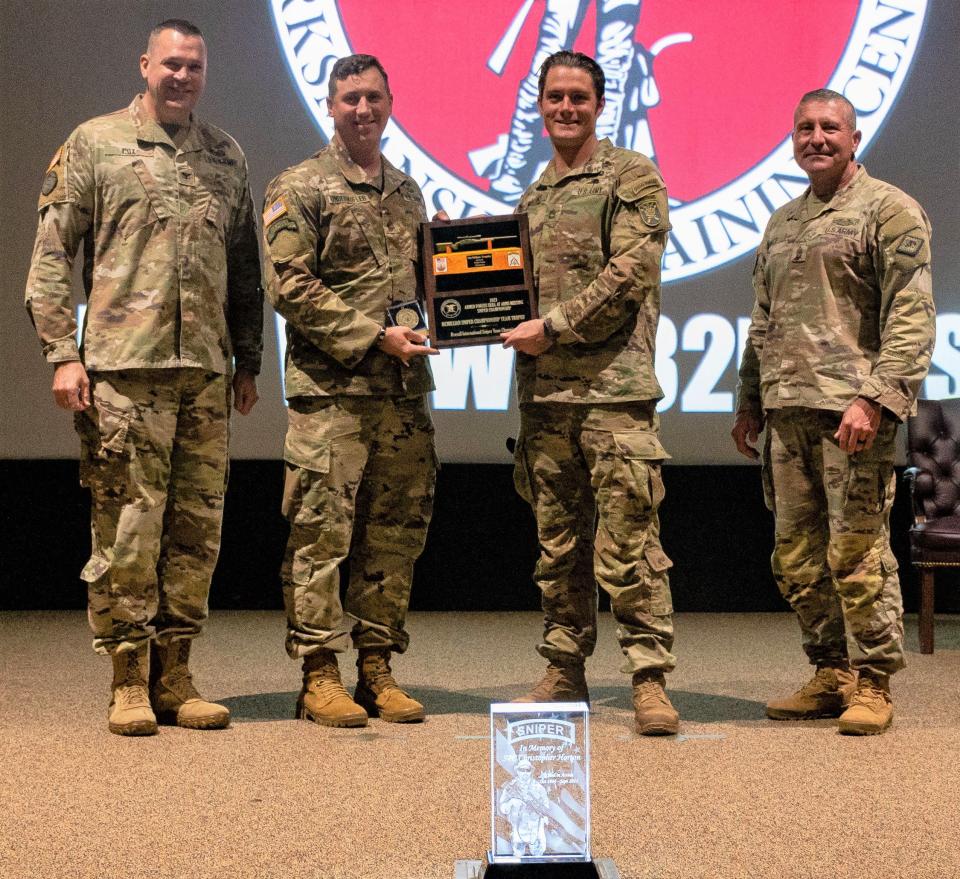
{"x":539,"y":782}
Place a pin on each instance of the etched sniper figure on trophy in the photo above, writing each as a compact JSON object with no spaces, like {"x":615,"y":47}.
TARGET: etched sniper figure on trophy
{"x":526,"y":805}
{"x":631,"y":90}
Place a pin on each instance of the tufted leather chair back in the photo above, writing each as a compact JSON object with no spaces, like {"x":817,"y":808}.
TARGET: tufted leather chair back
{"x":933,"y":445}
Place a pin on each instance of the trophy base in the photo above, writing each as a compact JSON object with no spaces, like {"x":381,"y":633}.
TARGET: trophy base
{"x":601,"y":868}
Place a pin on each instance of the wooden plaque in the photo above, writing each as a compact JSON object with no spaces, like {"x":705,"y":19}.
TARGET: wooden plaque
{"x":477,"y":278}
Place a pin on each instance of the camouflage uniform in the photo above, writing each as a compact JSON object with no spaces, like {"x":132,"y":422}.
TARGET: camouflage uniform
{"x":359,"y":450}
{"x":844,"y":308}
{"x":588,"y":459}
{"x":171,"y":277}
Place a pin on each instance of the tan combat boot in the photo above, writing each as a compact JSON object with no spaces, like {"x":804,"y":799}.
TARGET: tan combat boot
{"x":378,"y":692}
{"x":173,"y":695}
{"x":323,"y":698}
{"x":871,"y":709}
{"x":653,"y":713}
{"x":560,"y":683}
{"x":130,"y":712}
{"x":826,"y":694}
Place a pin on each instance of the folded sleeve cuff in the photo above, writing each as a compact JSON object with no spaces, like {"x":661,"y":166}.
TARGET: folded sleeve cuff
{"x":561,"y":326}
{"x":61,"y":351}
{"x":874,"y":389}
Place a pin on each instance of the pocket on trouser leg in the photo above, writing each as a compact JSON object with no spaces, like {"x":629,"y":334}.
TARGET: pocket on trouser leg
{"x":104,"y":451}
{"x":521,"y":471}
{"x":291,"y":492}
{"x":766,"y":474}
{"x":887,"y":619}
{"x":634,"y":490}
{"x":99,"y":611}
{"x":657,"y":586}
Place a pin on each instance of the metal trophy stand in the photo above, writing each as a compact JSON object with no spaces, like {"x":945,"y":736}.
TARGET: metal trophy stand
{"x":539,"y":795}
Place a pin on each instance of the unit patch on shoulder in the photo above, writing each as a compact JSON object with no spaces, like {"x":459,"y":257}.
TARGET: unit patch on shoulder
{"x":278,"y":226}
{"x":53,"y":188}
{"x":910,"y":245}
{"x":275,"y":211}
{"x":650,"y":212}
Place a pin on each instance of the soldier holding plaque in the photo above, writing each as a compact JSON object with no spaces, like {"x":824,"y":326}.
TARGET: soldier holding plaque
{"x":340,"y":244}
{"x":588,"y":457}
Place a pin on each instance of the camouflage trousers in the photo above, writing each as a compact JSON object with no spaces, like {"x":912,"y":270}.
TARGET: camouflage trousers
{"x":832,"y":559}
{"x":592,"y":476}
{"x":153,"y":452}
{"x":359,"y":486}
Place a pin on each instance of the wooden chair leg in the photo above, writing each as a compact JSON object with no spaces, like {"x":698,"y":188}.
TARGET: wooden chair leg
{"x":926,"y":610}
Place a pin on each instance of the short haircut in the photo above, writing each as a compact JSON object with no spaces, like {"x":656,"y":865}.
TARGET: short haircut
{"x":354,"y":65}
{"x":826,"y":96}
{"x":180,"y":25}
{"x":577,"y":60}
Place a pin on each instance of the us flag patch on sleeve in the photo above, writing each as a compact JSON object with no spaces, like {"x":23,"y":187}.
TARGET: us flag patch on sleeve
{"x":275,"y":211}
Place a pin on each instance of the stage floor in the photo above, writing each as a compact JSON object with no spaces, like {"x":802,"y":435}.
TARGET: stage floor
{"x":734,"y":795}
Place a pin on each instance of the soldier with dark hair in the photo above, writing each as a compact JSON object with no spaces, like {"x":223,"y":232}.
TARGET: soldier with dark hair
{"x":340,"y":246}
{"x":589,"y":454}
{"x":840,"y":341}
{"x":626,"y":66}
{"x":161,"y":205}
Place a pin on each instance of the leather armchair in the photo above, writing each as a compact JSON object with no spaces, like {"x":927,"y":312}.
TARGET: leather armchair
{"x":933,"y":445}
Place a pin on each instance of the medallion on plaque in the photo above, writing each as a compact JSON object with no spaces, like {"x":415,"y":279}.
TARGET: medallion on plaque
{"x":478,"y":278}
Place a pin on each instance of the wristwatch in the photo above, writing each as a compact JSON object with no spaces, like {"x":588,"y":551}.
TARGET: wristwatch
{"x":549,"y":331}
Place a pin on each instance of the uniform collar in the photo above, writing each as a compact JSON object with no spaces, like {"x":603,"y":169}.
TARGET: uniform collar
{"x":810,"y":206}
{"x":592,"y":167}
{"x":356,"y":176}
{"x":150,"y":131}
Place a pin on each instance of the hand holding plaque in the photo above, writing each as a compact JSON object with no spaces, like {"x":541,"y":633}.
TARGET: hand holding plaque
{"x":478,"y":278}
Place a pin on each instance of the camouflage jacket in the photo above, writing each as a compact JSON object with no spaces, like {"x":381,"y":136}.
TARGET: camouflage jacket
{"x":337,"y":252}
{"x":597,"y":235}
{"x":170,"y":264}
{"x":844,"y":303}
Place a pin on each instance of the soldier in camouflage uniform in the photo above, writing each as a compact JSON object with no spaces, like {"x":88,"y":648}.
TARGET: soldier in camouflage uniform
{"x":160,"y":203}
{"x":589,"y":454}
{"x":340,"y":246}
{"x":839,"y":343}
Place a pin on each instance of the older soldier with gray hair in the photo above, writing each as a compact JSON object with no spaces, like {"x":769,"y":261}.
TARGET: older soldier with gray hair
{"x":340,"y":247}
{"x":161,"y":204}
{"x":589,"y":454}
{"x":839,"y":343}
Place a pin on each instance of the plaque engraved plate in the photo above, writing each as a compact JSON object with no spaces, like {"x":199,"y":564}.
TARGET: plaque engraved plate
{"x":539,"y":782}
{"x":477,"y":278}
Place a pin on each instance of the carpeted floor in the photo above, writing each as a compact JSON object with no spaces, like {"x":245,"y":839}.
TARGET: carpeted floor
{"x":734,"y":795}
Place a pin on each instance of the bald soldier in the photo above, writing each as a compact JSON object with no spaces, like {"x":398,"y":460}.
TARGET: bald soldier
{"x":340,"y":247}
{"x":589,"y":454}
{"x":161,"y":205}
{"x":840,"y":341}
